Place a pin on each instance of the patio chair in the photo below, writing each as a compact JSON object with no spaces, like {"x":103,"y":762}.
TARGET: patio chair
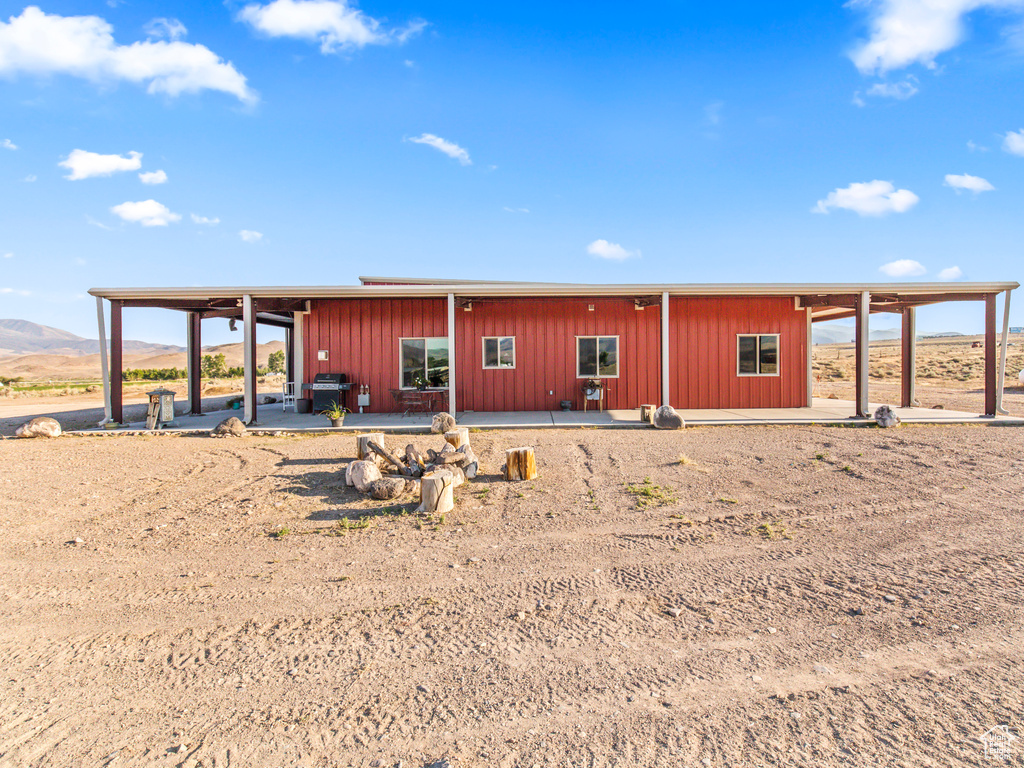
{"x":288,"y":396}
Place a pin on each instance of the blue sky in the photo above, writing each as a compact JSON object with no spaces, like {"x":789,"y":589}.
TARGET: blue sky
{"x":308,"y":142}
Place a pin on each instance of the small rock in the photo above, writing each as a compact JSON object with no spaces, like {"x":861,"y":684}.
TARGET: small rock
{"x":179,"y":750}
{"x":756,"y":678}
{"x":293,"y":671}
{"x":361,"y":474}
{"x":890,"y":598}
{"x":955,"y":626}
{"x":266,"y":399}
{"x":230,"y":427}
{"x":387,"y":488}
{"x":772,"y":630}
{"x":885,"y":417}
{"x":675,"y":613}
{"x":795,"y":715}
{"x":42,"y":426}
{"x":422,"y":689}
{"x":666,"y":417}
{"x":375,"y":764}
{"x":521,"y":615}
{"x":821,"y":669}
{"x":858,"y":611}
{"x":441,"y":423}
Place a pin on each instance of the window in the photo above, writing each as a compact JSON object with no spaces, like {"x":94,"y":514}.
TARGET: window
{"x":424,"y":361}
{"x":499,"y":351}
{"x":597,"y":357}
{"x":757,"y":354}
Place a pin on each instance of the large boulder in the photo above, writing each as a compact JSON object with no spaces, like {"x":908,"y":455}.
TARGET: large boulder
{"x":886,"y":416}
{"x":387,"y":488}
{"x":361,"y":474}
{"x":443,"y":422}
{"x":230,"y":427}
{"x":42,"y":426}
{"x":666,"y":417}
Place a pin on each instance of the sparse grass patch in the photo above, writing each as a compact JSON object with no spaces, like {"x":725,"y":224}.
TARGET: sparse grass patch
{"x":650,"y":495}
{"x":280,"y":533}
{"x":771,"y":531}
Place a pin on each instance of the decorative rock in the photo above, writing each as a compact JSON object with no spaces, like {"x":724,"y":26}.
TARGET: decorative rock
{"x":886,"y":416}
{"x":442,"y":422}
{"x":889,"y":598}
{"x":42,"y":426}
{"x":230,"y":427}
{"x":266,"y":399}
{"x":361,"y":474}
{"x":387,"y":488}
{"x":470,"y":464}
{"x":666,"y":417}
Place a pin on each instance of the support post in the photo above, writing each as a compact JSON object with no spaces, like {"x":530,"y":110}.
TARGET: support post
{"x":195,"y":364}
{"x":104,"y":362}
{"x":116,"y":377}
{"x":451,"y":353}
{"x":666,"y":368}
{"x":295,"y":373}
{"x":908,"y":362}
{"x":990,"y":354}
{"x":1002,"y":355}
{"x":249,"y":360}
{"x":861,"y":340}
{"x":289,"y":354}
{"x":810,"y":359}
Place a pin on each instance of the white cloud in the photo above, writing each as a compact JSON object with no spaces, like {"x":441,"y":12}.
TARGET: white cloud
{"x":165,"y":29}
{"x":250,"y":236}
{"x":904,"y":32}
{"x":8,"y":144}
{"x":516,"y":210}
{"x":611,"y":251}
{"x":951,"y":273}
{"x":972,"y":147}
{"x":80,"y":261}
{"x":1013,"y":142}
{"x":870,"y":198}
{"x":442,"y":145}
{"x":15,"y":291}
{"x":204,"y":220}
{"x":83,"y":46}
{"x":333,"y":23}
{"x":8,"y":255}
{"x":970,"y":183}
{"x":903,"y":268}
{"x":148,"y":213}
{"x":153,"y":177}
{"x":713,"y":112}
{"x":99,"y":224}
{"x":30,"y":178}
{"x":85,"y":165}
{"x":901,"y":91}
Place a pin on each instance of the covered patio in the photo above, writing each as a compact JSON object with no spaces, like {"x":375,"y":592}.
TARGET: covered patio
{"x":288,"y":307}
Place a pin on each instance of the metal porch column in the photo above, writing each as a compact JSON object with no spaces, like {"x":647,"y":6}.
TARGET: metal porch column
{"x":990,"y":354}
{"x":861,"y":373}
{"x":451,"y":354}
{"x":116,"y":365}
{"x":666,"y":360}
{"x":249,"y":342}
{"x":908,"y":363}
{"x":195,"y":364}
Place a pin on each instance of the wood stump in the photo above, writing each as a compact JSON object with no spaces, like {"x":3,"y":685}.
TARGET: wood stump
{"x":520,"y":464}
{"x":436,"y":493}
{"x":362,"y":449}
{"x":458,"y":437}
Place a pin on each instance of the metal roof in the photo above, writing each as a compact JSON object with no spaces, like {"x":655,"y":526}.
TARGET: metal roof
{"x":440,"y":288}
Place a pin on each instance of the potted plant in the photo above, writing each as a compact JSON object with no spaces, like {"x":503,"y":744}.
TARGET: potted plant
{"x":335,"y":413}
{"x":419,"y":381}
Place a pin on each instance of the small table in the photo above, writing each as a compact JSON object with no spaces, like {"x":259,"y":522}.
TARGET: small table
{"x":417,"y":400}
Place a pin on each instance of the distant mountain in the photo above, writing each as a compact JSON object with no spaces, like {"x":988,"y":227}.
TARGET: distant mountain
{"x":833,"y":333}
{"x":21,"y":337}
{"x":943,"y":335}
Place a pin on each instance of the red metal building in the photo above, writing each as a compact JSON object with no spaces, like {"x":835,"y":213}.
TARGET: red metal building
{"x":490,"y":346}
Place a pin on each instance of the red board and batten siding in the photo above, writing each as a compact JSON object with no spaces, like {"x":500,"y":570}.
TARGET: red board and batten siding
{"x":702,"y":334}
{"x":361,"y":338}
{"x":545,"y":331}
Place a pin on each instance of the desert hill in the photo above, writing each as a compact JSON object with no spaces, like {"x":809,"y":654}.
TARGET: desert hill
{"x":24,"y":337}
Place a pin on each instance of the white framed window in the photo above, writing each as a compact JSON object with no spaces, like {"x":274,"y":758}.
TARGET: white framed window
{"x":597,"y":357}
{"x":757,"y":354}
{"x":499,"y":351}
{"x":423,"y":361}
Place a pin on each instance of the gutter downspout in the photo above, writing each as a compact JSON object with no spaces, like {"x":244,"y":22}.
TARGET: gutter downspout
{"x":666,"y":368}
{"x":451,"y":354}
{"x":1002,"y":356}
{"x":104,"y":363}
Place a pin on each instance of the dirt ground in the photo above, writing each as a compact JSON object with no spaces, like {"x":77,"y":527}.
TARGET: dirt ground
{"x":786,"y":596}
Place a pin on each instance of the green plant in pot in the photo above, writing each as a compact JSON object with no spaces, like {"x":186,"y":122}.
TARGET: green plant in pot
{"x":335,"y":413}
{"x":419,"y":381}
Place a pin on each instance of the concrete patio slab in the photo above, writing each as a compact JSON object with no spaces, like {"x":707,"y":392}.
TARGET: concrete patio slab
{"x":273,"y":419}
